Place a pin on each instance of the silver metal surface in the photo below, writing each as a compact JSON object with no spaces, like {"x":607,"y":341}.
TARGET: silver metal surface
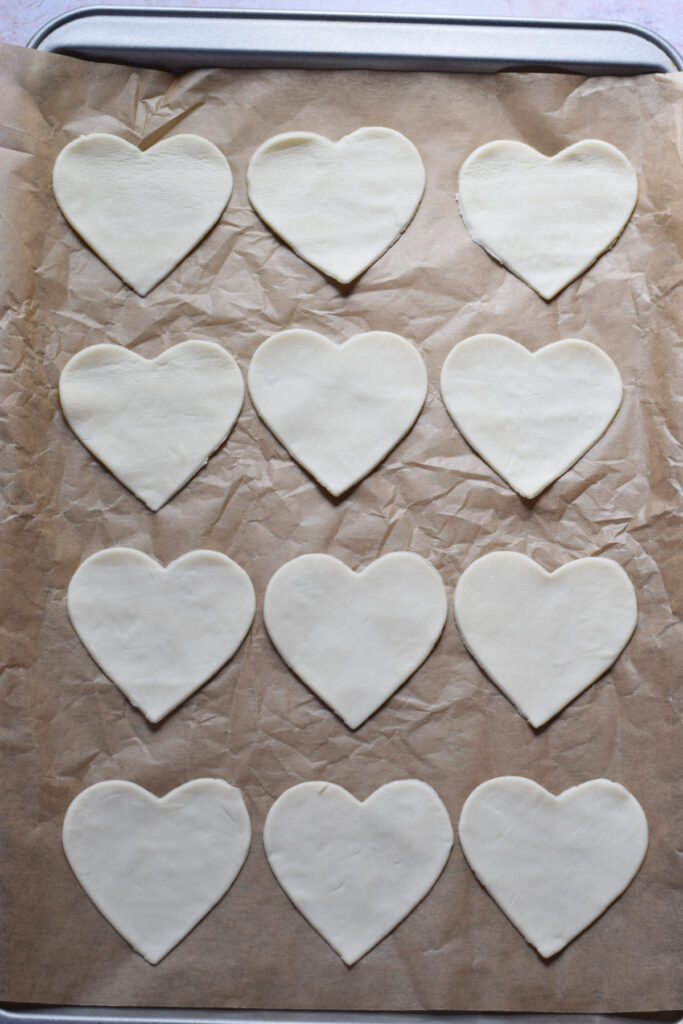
{"x":179,"y":39}
{"x":75,"y":1015}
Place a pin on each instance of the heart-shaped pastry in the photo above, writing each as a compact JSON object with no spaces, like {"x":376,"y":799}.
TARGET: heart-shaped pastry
{"x":160,"y":633}
{"x":355,"y":870}
{"x":155,"y":867}
{"x":141,"y":211}
{"x":531,"y":416}
{"x":544,"y":637}
{"x":339,"y":205}
{"x":547,"y":219}
{"x":152,"y":422}
{"x":338,"y":409}
{"x":553,"y":864}
{"x":354,"y":638}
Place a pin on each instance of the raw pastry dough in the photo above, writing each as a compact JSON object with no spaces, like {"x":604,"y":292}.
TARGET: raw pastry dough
{"x":339,"y":205}
{"x":156,"y":867}
{"x":355,"y":870}
{"x":543,"y":637}
{"x":354,"y":638}
{"x":338,"y":409}
{"x":530,"y":416}
{"x":160,"y":633}
{"x":142,"y":212}
{"x":553,"y":864}
{"x":547,"y":219}
{"x":152,"y":422}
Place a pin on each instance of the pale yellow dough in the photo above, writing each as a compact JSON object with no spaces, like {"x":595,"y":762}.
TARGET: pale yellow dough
{"x":141,"y":211}
{"x":546,"y":218}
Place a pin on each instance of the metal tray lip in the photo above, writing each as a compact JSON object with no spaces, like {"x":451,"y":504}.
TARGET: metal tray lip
{"x":242,"y":14}
{"x":48,"y":1014}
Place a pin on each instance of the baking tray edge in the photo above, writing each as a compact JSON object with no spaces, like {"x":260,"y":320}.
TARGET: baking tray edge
{"x":181,"y":39}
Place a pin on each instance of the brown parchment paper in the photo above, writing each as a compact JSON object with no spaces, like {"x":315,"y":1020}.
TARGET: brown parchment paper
{"x":64,"y":726}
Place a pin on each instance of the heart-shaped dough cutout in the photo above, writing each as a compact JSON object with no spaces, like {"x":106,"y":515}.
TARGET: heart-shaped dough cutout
{"x":543,"y":638}
{"x":531,"y":416}
{"x":547,"y":219}
{"x":356,"y":870}
{"x":160,"y":633}
{"x":155,"y":867}
{"x":354,"y":638}
{"x":553,"y":864}
{"x":152,"y":422}
{"x":338,"y":205}
{"x":338,"y":409}
{"x":142,"y":212}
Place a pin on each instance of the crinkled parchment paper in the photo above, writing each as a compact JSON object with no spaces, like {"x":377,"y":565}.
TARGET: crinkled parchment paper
{"x":64,"y":726}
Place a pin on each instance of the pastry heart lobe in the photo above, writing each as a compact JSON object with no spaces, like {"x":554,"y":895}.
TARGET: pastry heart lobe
{"x":160,"y":633}
{"x":355,"y":870}
{"x":155,"y":867}
{"x":544,"y":637}
{"x":338,"y":409}
{"x":141,"y":211}
{"x":553,"y":864}
{"x":547,"y":219}
{"x":338,"y":205}
{"x":531,"y":416}
{"x":152,"y":422}
{"x":354,"y":638}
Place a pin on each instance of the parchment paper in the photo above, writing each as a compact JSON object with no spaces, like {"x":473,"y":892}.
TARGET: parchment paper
{"x":64,"y":726}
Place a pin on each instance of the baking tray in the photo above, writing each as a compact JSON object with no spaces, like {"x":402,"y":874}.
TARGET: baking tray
{"x":80,"y":1015}
{"x":180,"y":40}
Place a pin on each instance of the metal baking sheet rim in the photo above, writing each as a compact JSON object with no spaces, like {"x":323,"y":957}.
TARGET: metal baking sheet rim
{"x":180,"y":39}
{"x":124,"y":1015}
{"x":57,"y":37}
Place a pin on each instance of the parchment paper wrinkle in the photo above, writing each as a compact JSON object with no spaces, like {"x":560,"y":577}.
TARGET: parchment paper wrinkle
{"x":63,"y":725}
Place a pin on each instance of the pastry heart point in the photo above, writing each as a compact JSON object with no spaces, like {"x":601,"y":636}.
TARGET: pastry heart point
{"x":553,"y":864}
{"x":543,"y":638}
{"x":152,"y":422}
{"x":547,"y":219}
{"x":530,"y":416}
{"x":355,"y":870}
{"x":155,"y":867}
{"x":338,"y":205}
{"x":142,"y":212}
{"x":338,"y":409}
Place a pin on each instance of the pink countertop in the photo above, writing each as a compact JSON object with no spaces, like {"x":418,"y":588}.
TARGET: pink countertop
{"x":19,"y":19}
